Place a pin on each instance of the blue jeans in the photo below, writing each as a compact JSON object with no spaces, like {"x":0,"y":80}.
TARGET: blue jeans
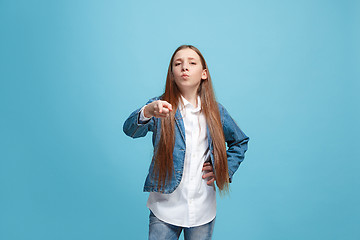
{"x":159,"y":230}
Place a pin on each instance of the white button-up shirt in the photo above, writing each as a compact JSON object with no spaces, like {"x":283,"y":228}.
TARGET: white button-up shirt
{"x":193,"y":203}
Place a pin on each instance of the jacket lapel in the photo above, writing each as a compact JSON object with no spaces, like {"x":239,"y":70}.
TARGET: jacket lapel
{"x":180,"y":124}
{"x":209,"y":137}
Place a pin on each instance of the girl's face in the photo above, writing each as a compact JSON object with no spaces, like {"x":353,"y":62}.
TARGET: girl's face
{"x":188,"y":70}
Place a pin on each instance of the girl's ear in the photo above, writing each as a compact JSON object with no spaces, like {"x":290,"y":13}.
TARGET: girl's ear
{"x":204,"y":74}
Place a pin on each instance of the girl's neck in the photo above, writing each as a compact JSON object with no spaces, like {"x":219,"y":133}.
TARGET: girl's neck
{"x":191,"y":97}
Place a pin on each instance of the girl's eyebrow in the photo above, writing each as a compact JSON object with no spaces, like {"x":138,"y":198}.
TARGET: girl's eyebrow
{"x":180,"y":59}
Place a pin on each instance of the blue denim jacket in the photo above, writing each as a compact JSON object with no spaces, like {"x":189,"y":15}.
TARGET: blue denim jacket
{"x":235,"y":138}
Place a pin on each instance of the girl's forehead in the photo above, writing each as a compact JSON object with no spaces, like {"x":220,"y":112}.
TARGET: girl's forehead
{"x":185,"y":54}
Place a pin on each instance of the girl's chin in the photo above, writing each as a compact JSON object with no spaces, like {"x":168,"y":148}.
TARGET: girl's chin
{"x":186,"y":83}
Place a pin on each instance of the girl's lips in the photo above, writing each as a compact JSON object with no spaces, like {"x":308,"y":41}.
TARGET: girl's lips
{"x":184,"y":75}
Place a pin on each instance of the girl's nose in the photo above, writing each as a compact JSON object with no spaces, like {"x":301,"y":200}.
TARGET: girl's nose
{"x":185,"y":67}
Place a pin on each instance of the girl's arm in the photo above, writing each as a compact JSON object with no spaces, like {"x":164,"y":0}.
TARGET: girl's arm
{"x":134,"y":127}
{"x":237,"y":142}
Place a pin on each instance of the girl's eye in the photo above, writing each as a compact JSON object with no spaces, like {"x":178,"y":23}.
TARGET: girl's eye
{"x":176,"y":64}
{"x":193,"y":63}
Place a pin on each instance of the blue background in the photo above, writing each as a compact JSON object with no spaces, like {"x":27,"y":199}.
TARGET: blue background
{"x":72,"y":71}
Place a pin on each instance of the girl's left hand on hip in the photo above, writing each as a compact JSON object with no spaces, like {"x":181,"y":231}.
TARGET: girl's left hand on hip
{"x":209,"y":173}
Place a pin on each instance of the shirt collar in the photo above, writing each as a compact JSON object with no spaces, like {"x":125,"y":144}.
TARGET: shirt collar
{"x":187,"y":104}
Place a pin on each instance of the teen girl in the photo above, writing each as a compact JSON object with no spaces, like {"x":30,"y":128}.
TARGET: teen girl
{"x":190,"y":130}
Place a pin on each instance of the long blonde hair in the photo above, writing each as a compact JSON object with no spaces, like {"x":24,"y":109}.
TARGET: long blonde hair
{"x":164,"y":167}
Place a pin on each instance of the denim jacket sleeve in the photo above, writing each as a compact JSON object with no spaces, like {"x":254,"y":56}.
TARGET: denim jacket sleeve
{"x":237,"y":142}
{"x":134,"y":127}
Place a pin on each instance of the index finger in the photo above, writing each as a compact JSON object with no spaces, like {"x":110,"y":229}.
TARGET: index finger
{"x":167,"y":105}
